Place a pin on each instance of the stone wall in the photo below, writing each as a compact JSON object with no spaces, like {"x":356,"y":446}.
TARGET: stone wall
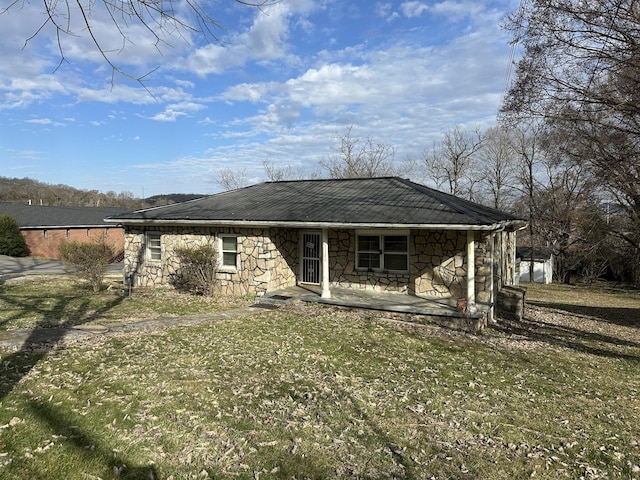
{"x":267,"y":257}
{"x":269,"y":260}
{"x":511,"y":301}
{"x":437,"y":259}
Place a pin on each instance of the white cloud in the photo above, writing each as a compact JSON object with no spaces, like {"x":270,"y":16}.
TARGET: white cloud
{"x":414,"y":9}
{"x":40,"y":121}
{"x":173,"y":112}
{"x":264,"y":41}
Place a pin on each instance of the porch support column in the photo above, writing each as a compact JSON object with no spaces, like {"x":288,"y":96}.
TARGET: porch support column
{"x":471,"y":270}
{"x":326,"y":293}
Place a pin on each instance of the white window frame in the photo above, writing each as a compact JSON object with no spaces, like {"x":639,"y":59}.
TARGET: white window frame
{"x":381,"y":239}
{"x":221,"y":265}
{"x":150,"y":248}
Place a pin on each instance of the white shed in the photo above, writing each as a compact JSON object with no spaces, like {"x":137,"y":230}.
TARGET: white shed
{"x":542,"y":264}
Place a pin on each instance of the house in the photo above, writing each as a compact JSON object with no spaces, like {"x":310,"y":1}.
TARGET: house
{"x":542,"y":264}
{"x":44,"y":228}
{"x":383,"y":234}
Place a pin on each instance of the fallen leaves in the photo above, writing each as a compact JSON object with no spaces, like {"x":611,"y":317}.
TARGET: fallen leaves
{"x":328,"y":392}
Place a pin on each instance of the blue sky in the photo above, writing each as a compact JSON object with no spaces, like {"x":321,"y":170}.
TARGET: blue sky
{"x":279,"y":87}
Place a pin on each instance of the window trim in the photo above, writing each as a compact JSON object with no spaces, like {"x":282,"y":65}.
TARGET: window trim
{"x":381,"y":239}
{"x":228,"y":268}
{"x":150,"y":249}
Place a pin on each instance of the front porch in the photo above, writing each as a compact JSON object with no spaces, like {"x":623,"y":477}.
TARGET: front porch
{"x":440,"y":311}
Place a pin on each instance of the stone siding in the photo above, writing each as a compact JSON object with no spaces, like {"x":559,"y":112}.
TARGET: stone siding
{"x":437,"y":265}
{"x":269,"y":260}
{"x":267,"y":257}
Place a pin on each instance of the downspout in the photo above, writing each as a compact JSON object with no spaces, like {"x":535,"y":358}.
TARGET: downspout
{"x":492,"y":300}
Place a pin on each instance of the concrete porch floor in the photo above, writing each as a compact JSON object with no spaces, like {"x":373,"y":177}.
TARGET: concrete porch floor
{"x":390,"y":302}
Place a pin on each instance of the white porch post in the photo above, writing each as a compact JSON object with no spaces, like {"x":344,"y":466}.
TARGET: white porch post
{"x":326,"y":293}
{"x":471,"y":270}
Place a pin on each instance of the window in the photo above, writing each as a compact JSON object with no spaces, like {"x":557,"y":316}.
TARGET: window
{"x":369,"y":251}
{"x":44,"y":233}
{"x":154,"y":247}
{"x":228,"y":252}
{"x":383,"y":252}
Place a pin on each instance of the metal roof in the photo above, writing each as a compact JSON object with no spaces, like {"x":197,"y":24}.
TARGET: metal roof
{"x":42,"y":216}
{"x":374,"y":202}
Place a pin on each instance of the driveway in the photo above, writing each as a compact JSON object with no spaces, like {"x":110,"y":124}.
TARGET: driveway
{"x":11,"y":267}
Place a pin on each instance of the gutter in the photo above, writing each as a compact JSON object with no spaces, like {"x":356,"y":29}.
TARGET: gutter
{"x":59,"y":227}
{"x":517,"y":224}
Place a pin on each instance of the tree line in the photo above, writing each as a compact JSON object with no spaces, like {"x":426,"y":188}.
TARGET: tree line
{"x":28,"y":191}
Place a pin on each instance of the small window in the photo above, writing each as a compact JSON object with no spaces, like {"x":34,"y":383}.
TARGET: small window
{"x":229,"y":252}
{"x":44,"y":233}
{"x":383,"y":252}
{"x":154,"y":247}
{"x":68,"y":233}
{"x":88,"y":232}
{"x":395,"y":253}
{"x":369,"y":251}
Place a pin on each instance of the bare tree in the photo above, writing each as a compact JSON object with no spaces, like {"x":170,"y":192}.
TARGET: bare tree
{"x":231,"y":179}
{"x":580,"y":74}
{"x":160,"y":19}
{"x":525,"y":142}
{"x":496,"y":168}
{"x":450,"y":164}
{"x":277,"y":174}
{"x":362,"y":159}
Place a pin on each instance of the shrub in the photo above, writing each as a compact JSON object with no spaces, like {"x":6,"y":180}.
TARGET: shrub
{"x":198,"y":267}
{"x":12,"y":242}
{"x":90,"y":259}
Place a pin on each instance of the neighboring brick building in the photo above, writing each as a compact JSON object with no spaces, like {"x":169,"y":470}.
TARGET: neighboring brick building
{"x":46,"y":227}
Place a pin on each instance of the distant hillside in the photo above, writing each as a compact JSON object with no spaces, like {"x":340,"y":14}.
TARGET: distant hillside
{"x":26,"y":190}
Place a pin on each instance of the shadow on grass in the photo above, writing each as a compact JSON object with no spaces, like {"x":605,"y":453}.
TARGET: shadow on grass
{"x":39,"y":343}
{"x":570,"y":337}
{"x":85,"y":446}
{"x":626,"y":317}
{"x":42,"y":340}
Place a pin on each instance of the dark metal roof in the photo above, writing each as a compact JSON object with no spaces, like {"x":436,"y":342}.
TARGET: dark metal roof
{"x":42,"y":216}
{"x":539,"y":254}
{"x":368,"y":201}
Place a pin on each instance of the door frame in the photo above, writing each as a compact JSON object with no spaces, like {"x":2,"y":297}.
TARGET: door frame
{"x":310,"y":257}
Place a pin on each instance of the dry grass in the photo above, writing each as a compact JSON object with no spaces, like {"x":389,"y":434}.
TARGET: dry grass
{"x":51,"y":301}
{"x":306,"y":391}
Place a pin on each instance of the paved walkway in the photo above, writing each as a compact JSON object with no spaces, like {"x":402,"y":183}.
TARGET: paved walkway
{"x":23,"y":338}
{"x":13,"y":267}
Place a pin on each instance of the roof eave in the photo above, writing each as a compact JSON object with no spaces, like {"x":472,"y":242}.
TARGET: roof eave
{"x":514,"y":224}
{"x":60,"y":227}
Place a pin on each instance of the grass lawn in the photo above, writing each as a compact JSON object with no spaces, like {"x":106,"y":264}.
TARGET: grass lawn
{"x":307,"y":391}
{"x":50,"y":301}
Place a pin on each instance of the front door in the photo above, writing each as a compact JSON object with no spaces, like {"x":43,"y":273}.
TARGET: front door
{"x":311,"y":249}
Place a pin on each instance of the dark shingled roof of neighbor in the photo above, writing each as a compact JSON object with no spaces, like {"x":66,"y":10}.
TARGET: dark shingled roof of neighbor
{"x":383,"y":201}
{"x":43,"y":216}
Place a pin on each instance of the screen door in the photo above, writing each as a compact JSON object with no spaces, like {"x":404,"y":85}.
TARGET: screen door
{"x":311,"y":258}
